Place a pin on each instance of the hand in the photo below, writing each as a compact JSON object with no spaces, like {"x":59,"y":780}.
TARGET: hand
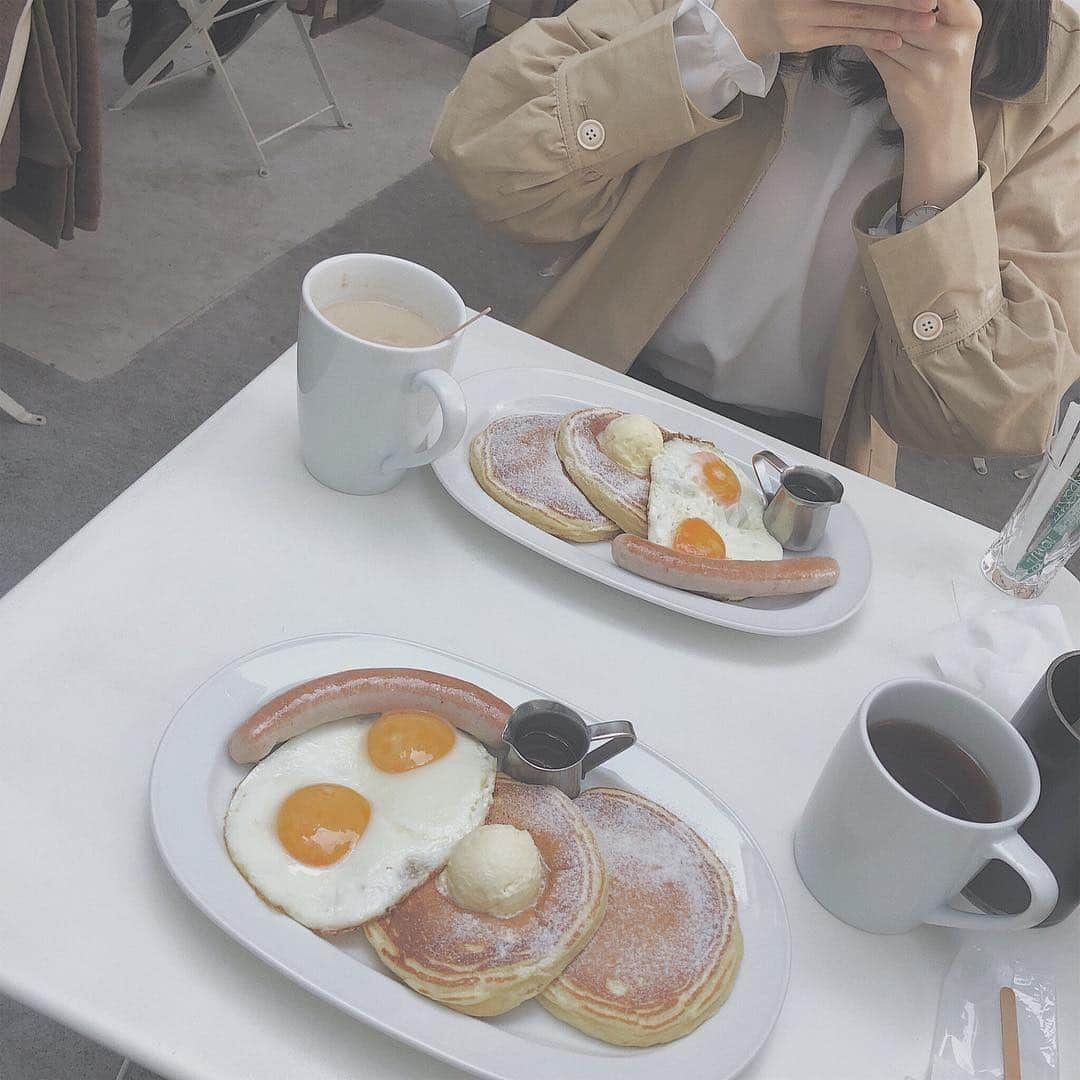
{"x":763,"y":27}
{"x":928,"y":82}
{"x":928,"y":78}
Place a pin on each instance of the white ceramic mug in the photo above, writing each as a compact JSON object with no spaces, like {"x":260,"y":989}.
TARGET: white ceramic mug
{"x":881,"y":860}
{"x":364,"y":407}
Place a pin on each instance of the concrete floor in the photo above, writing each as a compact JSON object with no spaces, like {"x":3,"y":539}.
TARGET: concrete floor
{"x":129,"y":338}
{"x":186,"y":217}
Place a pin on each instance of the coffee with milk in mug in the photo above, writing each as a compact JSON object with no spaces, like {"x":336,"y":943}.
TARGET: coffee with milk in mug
{"x":381,"y":322}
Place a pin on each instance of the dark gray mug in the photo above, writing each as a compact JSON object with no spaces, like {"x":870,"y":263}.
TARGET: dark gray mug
{"x":1049,"y":721}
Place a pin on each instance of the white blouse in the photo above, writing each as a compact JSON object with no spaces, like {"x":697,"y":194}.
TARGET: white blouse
{"x":755,"y":326}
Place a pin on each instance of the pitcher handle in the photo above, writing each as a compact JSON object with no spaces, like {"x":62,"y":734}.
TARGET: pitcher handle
{"x":619,"y":735}
{"x":768,"y":468}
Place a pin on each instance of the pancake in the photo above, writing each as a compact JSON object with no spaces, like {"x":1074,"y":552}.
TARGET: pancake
{"x":483,"y":965}
{"x":667,"y":953}
{"x":613,"y":489}
{"x":514,"y":461}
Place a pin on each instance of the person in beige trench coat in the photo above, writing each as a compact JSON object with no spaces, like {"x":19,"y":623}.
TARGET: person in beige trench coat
{"x":997,"y":272}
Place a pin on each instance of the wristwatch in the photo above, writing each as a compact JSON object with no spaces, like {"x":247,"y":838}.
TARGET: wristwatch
{"x":920,"y":215}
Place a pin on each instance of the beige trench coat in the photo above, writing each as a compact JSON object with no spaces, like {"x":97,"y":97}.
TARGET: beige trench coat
{"x":1001,"y":266}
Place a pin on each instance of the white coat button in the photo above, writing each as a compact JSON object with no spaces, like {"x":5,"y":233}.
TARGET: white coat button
{"x":927,"y":326}
{"x":591,"y":134}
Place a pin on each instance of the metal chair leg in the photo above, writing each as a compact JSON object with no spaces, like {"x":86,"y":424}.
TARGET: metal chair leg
{"x":16,"y":411}
{"x":320,"y":74}
{"x":230,"y":90}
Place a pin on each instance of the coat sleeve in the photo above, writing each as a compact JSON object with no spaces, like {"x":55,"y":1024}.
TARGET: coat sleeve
{"x":1002,"y":270}
{"x":508,"y":134}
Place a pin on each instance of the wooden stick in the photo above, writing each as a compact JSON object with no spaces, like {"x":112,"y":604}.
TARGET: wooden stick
{"x":467,"y":322}
{"x":1010,"y":1035}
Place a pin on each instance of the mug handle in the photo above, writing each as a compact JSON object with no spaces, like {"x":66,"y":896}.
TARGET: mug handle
{"x":768,"y":468}
{"x":1040,"y":880}
{"x":620,"y":736}
{"x":455,"y":416}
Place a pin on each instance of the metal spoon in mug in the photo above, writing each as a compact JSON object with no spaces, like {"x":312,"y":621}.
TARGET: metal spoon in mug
{"x":467,"y":322}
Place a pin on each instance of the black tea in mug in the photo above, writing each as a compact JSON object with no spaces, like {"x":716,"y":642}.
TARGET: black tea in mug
{"x":939,"y":772}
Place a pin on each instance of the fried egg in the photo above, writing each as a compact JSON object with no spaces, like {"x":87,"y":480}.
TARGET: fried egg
{"x":703,"y":503}
{"x":339,"y":824}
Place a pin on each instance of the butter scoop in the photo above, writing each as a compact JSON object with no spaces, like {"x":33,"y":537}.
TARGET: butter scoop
{"x":632,"y":441}
{"x":494,"y":870}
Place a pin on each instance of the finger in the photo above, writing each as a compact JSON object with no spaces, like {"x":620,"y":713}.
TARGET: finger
{"x":904,"y":5}
{"x":871,"y":17}
{"x":885,"y":63}
{"x":907,"y":57}
{"x":882,"y":60}
{"x":940,"y":39}
{"x":960,"y":13}
{"x":927,"y":40}
{"x":823,"y":36}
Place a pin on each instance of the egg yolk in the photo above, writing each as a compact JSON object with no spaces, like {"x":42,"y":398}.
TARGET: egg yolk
{"x":720,"y":479}
{"x":400,"y":741}
{"x":319,"y":824}
{"x":695,"y":536}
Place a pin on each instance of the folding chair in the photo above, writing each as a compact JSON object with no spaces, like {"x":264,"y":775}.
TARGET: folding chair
{"x":204,"y":14}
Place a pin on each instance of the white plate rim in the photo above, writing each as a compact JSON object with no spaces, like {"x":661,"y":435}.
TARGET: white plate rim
{"x":630,"y":1067}
{"x":716,"y":612}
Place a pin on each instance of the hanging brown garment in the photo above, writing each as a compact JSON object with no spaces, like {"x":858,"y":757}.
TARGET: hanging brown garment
{"x":57,"y":184}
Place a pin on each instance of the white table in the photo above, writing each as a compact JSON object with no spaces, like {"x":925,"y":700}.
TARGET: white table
{"x":226,"y":545}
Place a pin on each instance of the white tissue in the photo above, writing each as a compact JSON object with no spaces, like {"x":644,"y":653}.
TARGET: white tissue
{"x":999,"y":656}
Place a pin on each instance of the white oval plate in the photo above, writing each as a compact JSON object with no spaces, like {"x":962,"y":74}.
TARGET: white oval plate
{"x":540,"y":390}
{"x":193,"y":779}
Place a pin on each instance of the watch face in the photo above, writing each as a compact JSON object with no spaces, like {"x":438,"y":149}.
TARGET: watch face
{"x":919,"y":216}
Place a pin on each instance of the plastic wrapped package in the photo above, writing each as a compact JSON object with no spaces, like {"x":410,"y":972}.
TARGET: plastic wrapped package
{"x":967,"y":1038}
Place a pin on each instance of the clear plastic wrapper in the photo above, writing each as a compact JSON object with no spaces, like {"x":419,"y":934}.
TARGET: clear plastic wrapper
{"x":967,"y":1038}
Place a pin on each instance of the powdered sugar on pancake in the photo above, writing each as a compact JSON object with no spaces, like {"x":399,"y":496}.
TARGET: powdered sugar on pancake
{"x":671,"y":906}
{"x":435,"y":935}
{"x":582,"y":433}
{"x":519,"y":453}
{"x":613,"y":489}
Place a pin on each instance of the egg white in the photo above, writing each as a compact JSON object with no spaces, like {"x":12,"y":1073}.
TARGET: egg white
{"x":678,"y":491}
{"x":416,"y":819}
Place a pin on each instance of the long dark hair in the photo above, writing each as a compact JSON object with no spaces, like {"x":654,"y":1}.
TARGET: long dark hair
{"x":1009,"y":59}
